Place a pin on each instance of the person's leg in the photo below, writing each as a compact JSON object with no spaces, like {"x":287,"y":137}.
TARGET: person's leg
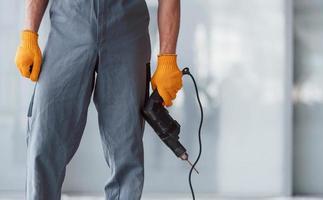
{"x":58,"y":113}
{"x":119,"y":96}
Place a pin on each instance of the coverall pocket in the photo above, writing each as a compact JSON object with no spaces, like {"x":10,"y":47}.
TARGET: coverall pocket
{"x":29,"y":115}
{"x":148,"y":74}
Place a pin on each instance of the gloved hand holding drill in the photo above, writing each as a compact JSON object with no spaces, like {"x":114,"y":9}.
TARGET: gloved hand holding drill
{"x":28,"y":57}
{"x":167,"y":78}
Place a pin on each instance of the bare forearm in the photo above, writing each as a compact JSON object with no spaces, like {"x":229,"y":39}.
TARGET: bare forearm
{"x":34,"y":10}
{"x":168,"y":24}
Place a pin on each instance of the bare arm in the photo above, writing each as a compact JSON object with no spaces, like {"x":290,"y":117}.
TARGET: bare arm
{"x":168,"y":25}
{"x":34,"y":13}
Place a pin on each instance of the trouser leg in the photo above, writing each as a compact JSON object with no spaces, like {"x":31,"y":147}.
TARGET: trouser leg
{"x":119,"y":95}
{"x":58,"y":116}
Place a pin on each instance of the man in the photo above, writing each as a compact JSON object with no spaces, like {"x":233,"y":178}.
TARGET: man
{"x":109,"y":39}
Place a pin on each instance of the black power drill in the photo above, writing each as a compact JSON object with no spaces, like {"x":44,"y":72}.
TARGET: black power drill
{"x":164,"y":125}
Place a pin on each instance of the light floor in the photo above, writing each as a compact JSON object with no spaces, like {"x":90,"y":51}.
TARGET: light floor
{"x":189,"y":198}
{"x":164,"y":197}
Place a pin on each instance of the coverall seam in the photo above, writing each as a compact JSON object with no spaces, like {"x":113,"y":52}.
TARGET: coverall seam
{"x":107,"y":140}
{"x":84,"y":112}
{"x":105,"y":136}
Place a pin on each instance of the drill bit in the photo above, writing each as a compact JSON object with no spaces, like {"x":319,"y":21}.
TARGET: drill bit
{"x":189,"y":162}
{"x":184,"y":156}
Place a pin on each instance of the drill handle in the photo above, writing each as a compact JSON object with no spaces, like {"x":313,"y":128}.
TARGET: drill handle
{"x":155,"y":97}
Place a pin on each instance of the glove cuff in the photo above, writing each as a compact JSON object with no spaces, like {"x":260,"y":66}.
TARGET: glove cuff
{"x":167,"y":61}
{"x":29,"y":38}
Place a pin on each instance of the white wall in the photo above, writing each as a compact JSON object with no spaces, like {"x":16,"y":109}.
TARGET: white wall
{"x":237,"y":51}
{"x":308,"y":109}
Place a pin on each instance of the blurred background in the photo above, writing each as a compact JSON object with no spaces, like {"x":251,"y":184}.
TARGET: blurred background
{"x":259,"y":67}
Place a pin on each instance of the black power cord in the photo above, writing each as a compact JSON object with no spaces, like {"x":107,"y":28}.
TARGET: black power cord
{"x":186,"y":71}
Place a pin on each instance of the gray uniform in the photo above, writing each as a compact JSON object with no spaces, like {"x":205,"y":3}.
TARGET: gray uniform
{"x":109,"y":40}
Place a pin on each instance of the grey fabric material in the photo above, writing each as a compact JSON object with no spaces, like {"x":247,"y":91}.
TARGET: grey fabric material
{"x":109,"y":40}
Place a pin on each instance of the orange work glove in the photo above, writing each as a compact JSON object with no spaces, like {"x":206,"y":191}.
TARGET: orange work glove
{"x":28,"y":56}
{"x":167,"y":78}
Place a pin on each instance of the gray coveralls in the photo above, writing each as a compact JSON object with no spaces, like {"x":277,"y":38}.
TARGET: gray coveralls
{"x":109,"y":39}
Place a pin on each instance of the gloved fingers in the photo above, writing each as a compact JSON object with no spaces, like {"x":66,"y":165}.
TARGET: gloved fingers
{"x":178,"y":84}
{"x":176,"y":79}
{"x":22,"y":58}
{"x":153,"y":82}
{"x":164,"y":104}
{"x":179,"y":73}
{"x":22,"y":73}
{"x":153,"y":85}
{"x":25,"y":71}
{"x":175,"y":85}
{"x":23,"y":62}
{"x":165,"y":96}
{"x":36,"y":68}
{"x":168,"y":105}
{"x":175,"y":75}
{"x":172,"y":93}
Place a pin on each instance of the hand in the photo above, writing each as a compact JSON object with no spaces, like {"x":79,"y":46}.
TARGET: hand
{"x":167,"y":78}
{"x":28,"y":56}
